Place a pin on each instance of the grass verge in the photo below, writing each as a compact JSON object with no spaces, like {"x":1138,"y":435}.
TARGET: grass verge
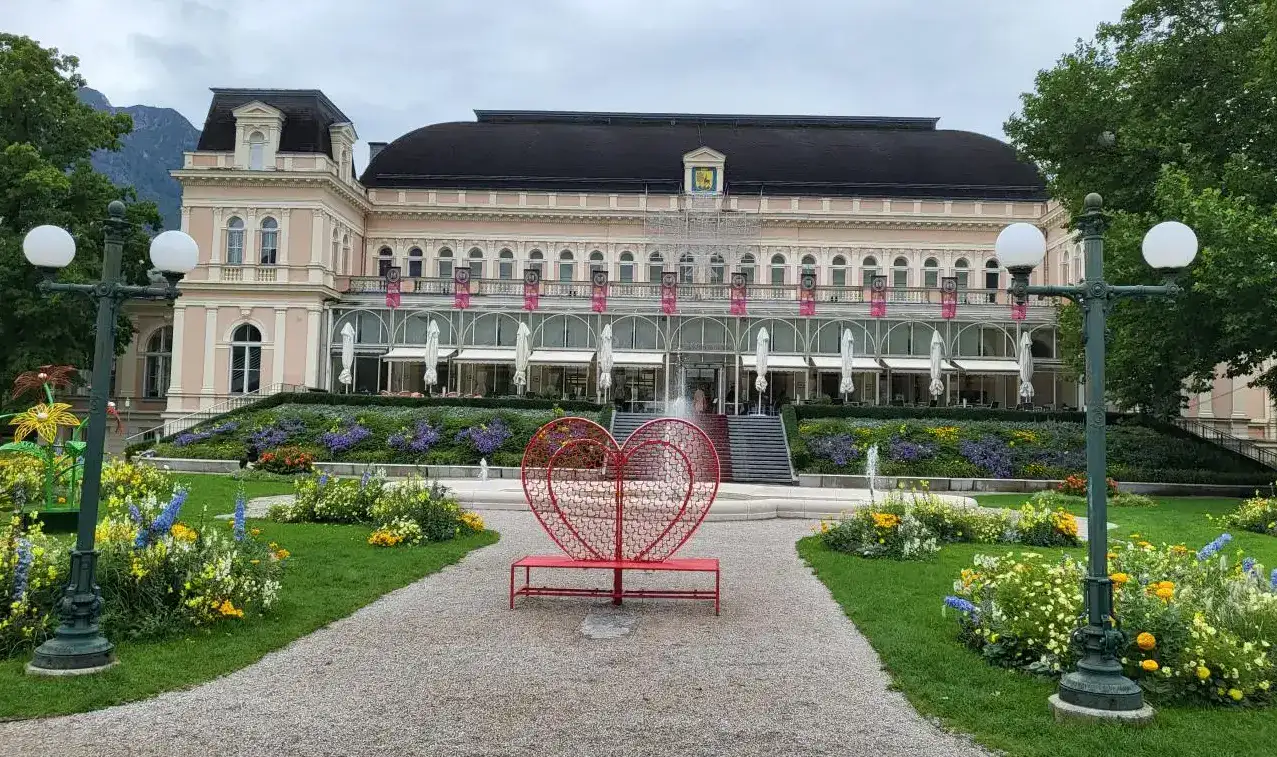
{"x":332,"y":572}
{"x":897,"y":606}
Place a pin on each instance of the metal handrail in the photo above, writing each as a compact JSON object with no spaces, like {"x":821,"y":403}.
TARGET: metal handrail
{"x":231,"y":403}
{"x":1226,"y":440}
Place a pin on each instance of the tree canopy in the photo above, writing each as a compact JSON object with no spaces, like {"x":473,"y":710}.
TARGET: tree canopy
{"x":1171,"y":113}
{"x":46,"y":138}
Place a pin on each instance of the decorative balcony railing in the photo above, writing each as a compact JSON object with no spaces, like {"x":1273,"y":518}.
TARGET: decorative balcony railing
{"x":582,"y":290}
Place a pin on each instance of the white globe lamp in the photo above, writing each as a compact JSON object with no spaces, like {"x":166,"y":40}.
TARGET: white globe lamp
{"x":1020,"y":247}
{"x":174,"y":252}
{"x":1170,"y":245}
{"x":49,"y":247}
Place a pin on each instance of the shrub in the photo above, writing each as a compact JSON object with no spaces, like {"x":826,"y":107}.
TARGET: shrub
{"x":320,"y":498}
{"x":873,"y":533}
{"x":1075,"y":485}
{"x":1130,"y":499}
{"x":1040,"y":527}
{"x":32,"y":576}
{"x":1258,"y":514}
{"x":1194,"y":625}
{"x":286,"y":460}
{"x":414,"y":512}
{"x":124,"y":482}
{"x":21,"y":480}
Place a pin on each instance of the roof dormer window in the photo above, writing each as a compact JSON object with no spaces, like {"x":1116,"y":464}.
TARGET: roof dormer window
{"x":257,"y":130}
{"x":256,"y":151}
{"x":703,"y":172}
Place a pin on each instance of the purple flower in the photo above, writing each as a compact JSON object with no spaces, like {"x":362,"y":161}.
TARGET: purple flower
{"x":1248,"y":565}
{"x":135,"y":514}
{"x":241,"y":506}
{"x":485,"y":438}
{"x":267,"y":438}
{"x":363,"y":480}
{"x":418,"y":441}
{"x":323,"y":479}
{"x":961,"y":605}
{"x":191,"y":437}
{"x":905,"y":451}
{"x":1212,"y":549}
{"x":22,"y":569}
{"x":340,"y":440}
{"x":841,"y":449}
{"x":989,"y":453}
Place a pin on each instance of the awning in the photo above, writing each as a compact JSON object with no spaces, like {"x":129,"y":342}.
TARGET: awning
{"x":638,"y":359}
{"x":777,"y":362}
{"x":988,"y":366}
{"x":489,"y":355}
{"x":914,"y":364}
{"x":414,"y":354}
{"x":561,"y":357}
{"x":834,"y":363}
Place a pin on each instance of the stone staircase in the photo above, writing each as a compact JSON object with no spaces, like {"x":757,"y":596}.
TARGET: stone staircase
{"x":750,"y":448}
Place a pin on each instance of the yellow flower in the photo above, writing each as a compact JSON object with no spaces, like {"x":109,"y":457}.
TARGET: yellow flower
{"x":1235,"y":694}
{"x":255,"y":531}
{"x":1164,"y":594}
{"x":281,"y":554}
{"x":1149,"y":665}
{"x":183,"y":533}
{"x":43,"y":420}
{"x":229,"y":610}
{"x":1203,"y":673}
{"x":474,"y":521}
{"x":885,"y":520}
{"x":1146,"y":641}
{"x":1164,"y":585}
{"x":1119,"y":578}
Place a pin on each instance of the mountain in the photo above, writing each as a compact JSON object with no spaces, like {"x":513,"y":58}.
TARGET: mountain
{"x":160,"y":136}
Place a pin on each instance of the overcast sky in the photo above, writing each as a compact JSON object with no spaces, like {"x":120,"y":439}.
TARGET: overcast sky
{"x":394,"y":65}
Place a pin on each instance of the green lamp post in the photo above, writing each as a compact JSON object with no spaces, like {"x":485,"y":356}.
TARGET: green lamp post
{"x":78,"y":645}
{"x":1097,"y":689}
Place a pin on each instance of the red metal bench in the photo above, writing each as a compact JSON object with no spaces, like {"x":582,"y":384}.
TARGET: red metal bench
{"x":619,"y":508}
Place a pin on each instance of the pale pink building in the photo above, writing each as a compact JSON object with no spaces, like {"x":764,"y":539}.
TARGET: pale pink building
{"x":294,"y":246}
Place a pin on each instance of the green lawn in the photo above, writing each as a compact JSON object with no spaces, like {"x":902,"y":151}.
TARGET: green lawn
{"x":897,"y":605}
{"x":332,"y":572}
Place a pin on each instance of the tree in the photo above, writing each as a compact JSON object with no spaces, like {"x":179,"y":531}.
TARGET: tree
{"x":46,"y":138}
{"x":1171,"y":113}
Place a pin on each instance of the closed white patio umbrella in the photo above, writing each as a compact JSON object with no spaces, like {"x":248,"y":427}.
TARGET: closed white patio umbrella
{"x":347,"y":375}
{"x":1026,"y":368}
{"x":846,"y":382}
{"x":761,"y":348}
{"x":605,"y":361}
{"x":432,"y":354}
{"x":937,"y":364}
{"x":522,"y":354}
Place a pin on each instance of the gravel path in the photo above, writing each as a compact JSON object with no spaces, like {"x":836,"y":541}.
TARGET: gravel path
{"x":442,"y":667}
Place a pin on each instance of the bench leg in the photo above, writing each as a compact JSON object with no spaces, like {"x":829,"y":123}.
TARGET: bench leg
{"x":617,"y":587}
{"x":511,"y":587}
{"x":717,"y":575}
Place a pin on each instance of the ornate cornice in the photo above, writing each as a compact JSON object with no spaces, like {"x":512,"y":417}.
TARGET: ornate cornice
{"x":235,"y":177}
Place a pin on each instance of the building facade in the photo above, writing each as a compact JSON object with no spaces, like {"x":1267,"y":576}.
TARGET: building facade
{"x":296,"y":250}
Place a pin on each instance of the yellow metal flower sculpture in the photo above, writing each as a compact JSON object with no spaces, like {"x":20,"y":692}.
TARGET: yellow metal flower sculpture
{"x":44,"y":421}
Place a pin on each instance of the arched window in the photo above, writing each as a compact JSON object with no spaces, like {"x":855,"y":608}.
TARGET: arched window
{"x":445,"y":263}
{"x":385,"y":259}
{"x":345,"y":251}
{"x":809,"y":264}
{"x":931,"y":273}
{"x":962,"y":272}
{"x":567,"y":266}
{"x":336,"y":253}
{"x":748,"y":267}
{"x":416,"y":263}
{"x":900,"y":273}
{"x":257,"y":151}
{"x":269,"y":241}
{"x":686,"y":268}
{"x":627,"y":268}
{"x":778,"y":270}
{"x":235,"y":241}
{"x":655,"y":267}
{"x":868,"y":269}
{"x":476,"y":263}
{"x":992,"y":279}
{"x":717,"y":269}
{"x":505,"y":265}
{"x":838,"y":272}
{"x":158,"y":363}
{"x":596,"y":263}
{"x":246,"y":359}
{"x":536,"y":261}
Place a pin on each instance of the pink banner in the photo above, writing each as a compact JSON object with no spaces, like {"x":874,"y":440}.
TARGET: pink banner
{"x":598,"y":299}
{"x":878,"y":297}
{"x":461,"y":288}
{"x":1019,"y":311}
{"x":531,"y":289}
{"x":949,"y":297}
{"x":393,"y":296}
{"x":669,"y":293}
{"x":807,"y":295}
{"x":738,"y":294}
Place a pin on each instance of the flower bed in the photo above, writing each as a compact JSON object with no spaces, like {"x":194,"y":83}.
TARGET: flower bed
{"x":1008,"y":449}
{"x":1196,"y":624}
{"x":1258,"y":514}
{"x":912,"y":526}
{"x":159,"y":573}
{"x":409,"y":512}
{"x":429,"y":435}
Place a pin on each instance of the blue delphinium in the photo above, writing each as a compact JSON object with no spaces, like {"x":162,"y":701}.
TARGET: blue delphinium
{"x":363,"y":480}
{"x":961,"y":605}
{"x":1248,"y":565}
{"x":22,"y":570}
{"x":323,"y":479}
{"x":241,"y":507}
{"x":135,"y":514}
{"x":1272,"y":580}
{"x":163,"y":522}
{"x":1212,"y":549}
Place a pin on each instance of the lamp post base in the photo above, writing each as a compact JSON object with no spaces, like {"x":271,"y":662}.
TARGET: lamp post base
{"x":1064,"y":712}
{"x":78,"y":654}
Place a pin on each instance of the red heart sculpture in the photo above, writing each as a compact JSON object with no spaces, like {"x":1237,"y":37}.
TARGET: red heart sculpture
{"x":600,"y":501}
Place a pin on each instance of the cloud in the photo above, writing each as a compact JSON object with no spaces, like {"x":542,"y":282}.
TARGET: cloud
{"x":394,"y":65}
